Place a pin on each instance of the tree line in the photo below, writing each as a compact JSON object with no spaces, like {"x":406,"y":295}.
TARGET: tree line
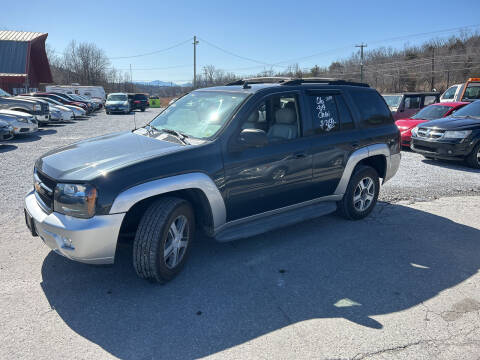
{"x":435,"y":64}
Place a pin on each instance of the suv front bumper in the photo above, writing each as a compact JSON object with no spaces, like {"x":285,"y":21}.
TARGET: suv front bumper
{"x":45,"y":118}
{"x":91,"y":241}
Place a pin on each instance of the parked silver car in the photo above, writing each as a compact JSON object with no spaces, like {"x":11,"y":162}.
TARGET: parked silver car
{"x":21,"y":122}
{"x":38,"y":109}
{"x":6,"y":131}
{"x":117,"y":102}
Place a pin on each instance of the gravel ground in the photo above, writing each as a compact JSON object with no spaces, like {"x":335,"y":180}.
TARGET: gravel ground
{"x":325,"y":289}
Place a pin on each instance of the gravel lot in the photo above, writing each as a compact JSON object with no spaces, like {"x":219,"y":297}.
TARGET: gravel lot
{"x":404,"y":283}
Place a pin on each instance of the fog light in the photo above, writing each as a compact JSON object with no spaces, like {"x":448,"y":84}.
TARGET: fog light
{"x":67,"y":243}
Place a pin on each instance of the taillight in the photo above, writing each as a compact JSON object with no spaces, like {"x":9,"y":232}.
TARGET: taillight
{"x":137,"y":101}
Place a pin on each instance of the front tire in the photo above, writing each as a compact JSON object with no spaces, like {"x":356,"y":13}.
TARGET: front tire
{"x":163,"y":239}
{"x":361,"y":194}
{"x":473,"y":160}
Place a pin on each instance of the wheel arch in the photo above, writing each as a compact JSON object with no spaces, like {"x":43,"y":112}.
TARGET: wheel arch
{"x":377,"y":156}
{"x":196,"y":188}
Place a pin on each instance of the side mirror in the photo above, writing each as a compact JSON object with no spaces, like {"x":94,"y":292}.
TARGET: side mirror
{"x":253,"y":138}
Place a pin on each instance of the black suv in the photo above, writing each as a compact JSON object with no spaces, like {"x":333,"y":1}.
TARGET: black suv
{"x":233,"y":161}
{"x":138,"y":101}
{"x":456,"y":137}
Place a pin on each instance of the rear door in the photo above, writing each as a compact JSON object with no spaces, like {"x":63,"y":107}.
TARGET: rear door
{"x":334,"y":137}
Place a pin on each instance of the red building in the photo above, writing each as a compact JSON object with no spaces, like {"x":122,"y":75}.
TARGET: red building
{"x":23,"y":61}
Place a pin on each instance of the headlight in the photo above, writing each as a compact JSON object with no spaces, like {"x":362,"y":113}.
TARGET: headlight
{"x":457,"y":134}
{"x":22,"y":119}
{"x":414,"y":131}
{"x":37,"y":107}
{"x":75,"y":200}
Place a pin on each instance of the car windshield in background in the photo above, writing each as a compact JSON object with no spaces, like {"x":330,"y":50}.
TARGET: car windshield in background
{"x":4,"y":93}
{"x":200,"y":114}
{"x":472,"y":92}
{"x":471,"y":110}
{"x":118,"y":97}
{"x":431,"y":112}
{"x":393,"y":100}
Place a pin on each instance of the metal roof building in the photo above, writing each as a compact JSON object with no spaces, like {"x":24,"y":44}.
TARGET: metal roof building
{"x":23,"y":61}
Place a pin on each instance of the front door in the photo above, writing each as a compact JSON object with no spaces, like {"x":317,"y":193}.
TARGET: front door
{"x":277,"y":174}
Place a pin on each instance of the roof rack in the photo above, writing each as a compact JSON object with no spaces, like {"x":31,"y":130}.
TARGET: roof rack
{"x":260,"y":80}
{"x":326,"y":81}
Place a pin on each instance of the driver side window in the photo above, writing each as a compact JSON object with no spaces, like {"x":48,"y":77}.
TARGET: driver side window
{"x":278,"y":116}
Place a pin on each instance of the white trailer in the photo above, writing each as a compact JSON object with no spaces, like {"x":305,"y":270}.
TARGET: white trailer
{"x":89,"y":91}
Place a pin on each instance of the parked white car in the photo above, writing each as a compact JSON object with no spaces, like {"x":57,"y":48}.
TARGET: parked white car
{"x":21,"y":122}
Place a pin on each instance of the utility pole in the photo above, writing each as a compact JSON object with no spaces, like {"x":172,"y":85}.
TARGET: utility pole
{"x":131,"y":78}
{"x":361,"y":46}
{"x":433,"y":68}
{"x":195,"y":43}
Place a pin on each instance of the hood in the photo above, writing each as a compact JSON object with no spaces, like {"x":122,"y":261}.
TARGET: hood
{"x":109,"y":102}
{"x":88,"y":159}
{"x":452,"y":123}
{"x":15,"y":113}
{"x":404,"y":124}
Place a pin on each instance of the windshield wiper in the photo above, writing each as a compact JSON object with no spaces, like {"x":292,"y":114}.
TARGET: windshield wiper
{"x":180,"y":136}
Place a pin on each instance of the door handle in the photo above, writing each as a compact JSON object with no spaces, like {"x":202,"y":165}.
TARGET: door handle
{"x":300,"y":155}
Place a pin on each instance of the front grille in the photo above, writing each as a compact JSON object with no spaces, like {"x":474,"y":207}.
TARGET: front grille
{"x":44,"y":189}
{"x":430,"y":133}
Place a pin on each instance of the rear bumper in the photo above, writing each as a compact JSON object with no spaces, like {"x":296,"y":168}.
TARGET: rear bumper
{"x":442,"y":150}
{"x":91,"y":241}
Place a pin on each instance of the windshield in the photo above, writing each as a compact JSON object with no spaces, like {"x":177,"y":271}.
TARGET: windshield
{"x":51,"y":101}
{"x":117,"y":97}
{"x":200,"y":114}
{"x":432,"y":112}
{"x":393,"y":100}
{"x":4,"y":93}
{"x":472,"y":109}
{"x":472,"y":92}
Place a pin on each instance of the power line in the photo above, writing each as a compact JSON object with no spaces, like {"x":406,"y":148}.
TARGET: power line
{"x":152,"y":52}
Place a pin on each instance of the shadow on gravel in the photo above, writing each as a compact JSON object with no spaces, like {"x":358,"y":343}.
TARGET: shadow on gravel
{"x":6,"y":148}
{"x":231,"y":293}
{"x":452,"y":164}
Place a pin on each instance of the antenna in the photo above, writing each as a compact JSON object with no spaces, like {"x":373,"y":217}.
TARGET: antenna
{"x":134,"y":121}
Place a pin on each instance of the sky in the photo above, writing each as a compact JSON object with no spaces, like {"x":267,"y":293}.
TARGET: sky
{"x":244,"y":37}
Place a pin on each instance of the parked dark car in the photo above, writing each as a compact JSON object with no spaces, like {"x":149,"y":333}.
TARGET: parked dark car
{"x":6,"y":131}
{"x":138,"y":101}
{"x":73,"y":97}
{"x":456,"y":137}
{"x":403,"y":106}
{"x":231,"y":161}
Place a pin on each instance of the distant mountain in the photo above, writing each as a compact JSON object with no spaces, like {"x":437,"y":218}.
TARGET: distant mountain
{"x":160,"y":83}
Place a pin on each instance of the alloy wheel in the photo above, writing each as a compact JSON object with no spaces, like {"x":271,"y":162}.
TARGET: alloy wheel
{"x":364,"y":194}
{"x":177,"y":242}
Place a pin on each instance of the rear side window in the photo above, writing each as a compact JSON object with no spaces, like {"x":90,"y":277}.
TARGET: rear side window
{"x":450,"y":93}
{"x":372,"y":107}
{"x":429,"y":99}
{"x":325,"y":115}
{"x":412,"y":102}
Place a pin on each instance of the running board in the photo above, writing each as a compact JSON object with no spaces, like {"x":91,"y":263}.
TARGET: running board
{"x":258,"y":226}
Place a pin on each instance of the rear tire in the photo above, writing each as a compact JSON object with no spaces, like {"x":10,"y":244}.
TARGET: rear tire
{"x":143,"y":109}
{"x":361,"y":194}
{"x":163,"y":239}
{"x":473,"y":160}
